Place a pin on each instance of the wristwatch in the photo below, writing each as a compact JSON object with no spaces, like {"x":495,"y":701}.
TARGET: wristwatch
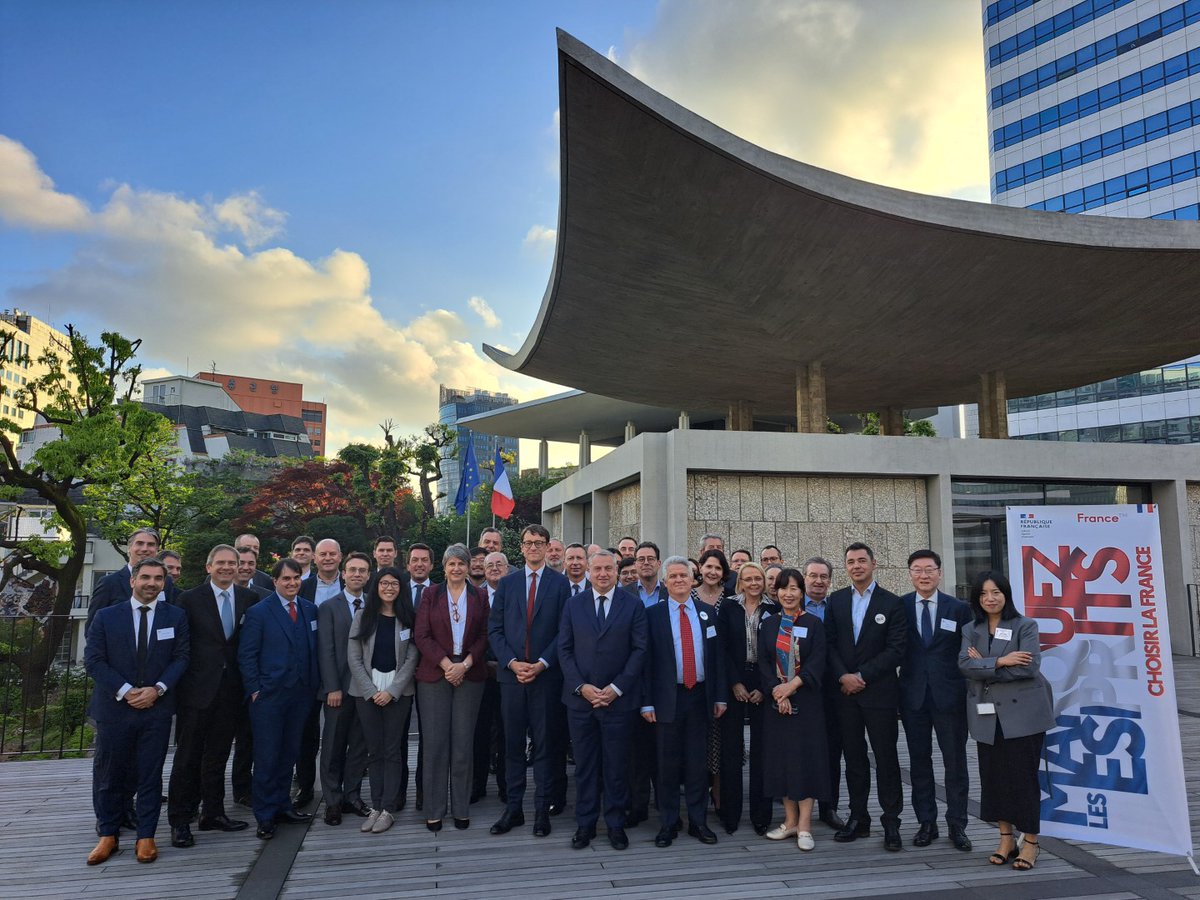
{"x":161,"y":690}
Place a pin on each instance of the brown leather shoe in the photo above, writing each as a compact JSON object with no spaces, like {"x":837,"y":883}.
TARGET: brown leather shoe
{"x":146,"y":851}
{"x":104,"y":849}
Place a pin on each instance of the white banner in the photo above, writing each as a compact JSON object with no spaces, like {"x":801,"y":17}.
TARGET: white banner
{"x":1092,"y":577}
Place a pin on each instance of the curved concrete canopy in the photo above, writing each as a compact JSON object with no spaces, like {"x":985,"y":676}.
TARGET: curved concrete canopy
{"x":702,"y":268}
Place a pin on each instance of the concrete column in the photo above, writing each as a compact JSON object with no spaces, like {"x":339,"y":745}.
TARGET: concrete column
{"x":685,"y":421}
{"x":585,"y":449}
{"x":600,"y":518}
{"x":741,"y":416}
{"x":993,"y":405}
{"x":940,"y":503}
{"x":891,"y":421}
{"x":630,"y":431}
{"x":543,"y":457}
{"x":810,"y":398}
{"x":572,"y":522}
{"x":1175,"y":529}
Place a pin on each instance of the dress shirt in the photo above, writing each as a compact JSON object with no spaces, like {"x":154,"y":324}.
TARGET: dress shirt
{"x":816,"y":607}
{"x":135,"y":607}
{"x":529,"y":573}
{"x":858,"y":606}
{"x":608,"y":600}
{"x":417,"y":593}
{"x":350,"y":598}
{"x":932,"y":610}
{"x":648,"y":599}
{"x":307,"y":573}
{"x":459,"y":628}
{"x":232,"y":606}
{"x":326,"y":590}
{"x":492,"y":595}
{"x":697,"y":638}
{"x":578,"y":587}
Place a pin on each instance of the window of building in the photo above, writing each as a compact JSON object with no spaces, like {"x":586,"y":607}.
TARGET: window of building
{"x":274,"y":389}
{"x":232,"y":385}
{"x":311,"y":415}
{"x":254,"y":385}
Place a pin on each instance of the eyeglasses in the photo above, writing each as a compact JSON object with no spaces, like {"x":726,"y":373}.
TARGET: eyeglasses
{"x":534,"y":543}
{"x":817,"y":577}
{"x":390,"y":584}
{"x":924,"y":570}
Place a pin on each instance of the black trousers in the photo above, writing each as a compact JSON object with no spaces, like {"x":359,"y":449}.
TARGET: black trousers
{"x":860,"y":723}
{"x":489,"y":741}
{"x":532,"y":709}
{"x":643,"y":767}
{"x":404,"y":769}
{"x":343,"y":753}
{"x":203,"y":739}
{"x":310,"y":748}
{"x":950,"y":726}
{"x":243,"y":754}
{"x":733,"y":742}
{"x":683,"y":758}
{"x":833,"y":742}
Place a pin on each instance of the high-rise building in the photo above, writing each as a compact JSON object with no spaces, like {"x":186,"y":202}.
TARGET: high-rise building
{"x":31,"y":338}
{"x":270,"y":396}
{"x":455,"y":404}
{"x":1094,"y":107}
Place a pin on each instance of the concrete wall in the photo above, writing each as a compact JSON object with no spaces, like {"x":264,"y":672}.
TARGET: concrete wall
{"x":1193,"y":503}
{"x":553,"y":522}
{"x":813,"y":516}
{"x":625,"y":513}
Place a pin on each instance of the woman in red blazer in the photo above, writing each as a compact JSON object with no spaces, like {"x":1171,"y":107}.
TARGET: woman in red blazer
{"x":451,"y":633}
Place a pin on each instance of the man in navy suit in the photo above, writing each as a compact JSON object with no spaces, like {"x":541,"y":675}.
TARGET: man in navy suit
{"x":278,"y":658}
{"x":865,"y":632}
{"x":113,"y":588}
{"x":523,"y":631}
{"x":933,"y":699}
{"x":136,"y":653}
{"x":684,"y":689}
{"x":602,"y":649}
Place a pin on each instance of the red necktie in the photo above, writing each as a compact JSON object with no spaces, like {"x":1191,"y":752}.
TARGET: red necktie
{"x":688,"y":648}
{"x":529,"y":611}
{"x":292,"y":610}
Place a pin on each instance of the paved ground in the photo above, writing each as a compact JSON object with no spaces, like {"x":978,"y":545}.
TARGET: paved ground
{"x":46,"y":833}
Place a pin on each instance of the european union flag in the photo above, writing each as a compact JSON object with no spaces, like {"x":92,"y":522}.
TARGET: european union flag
{"x":470,"y":478}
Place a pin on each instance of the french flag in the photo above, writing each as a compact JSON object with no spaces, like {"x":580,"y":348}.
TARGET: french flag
{"x":502,"y":495}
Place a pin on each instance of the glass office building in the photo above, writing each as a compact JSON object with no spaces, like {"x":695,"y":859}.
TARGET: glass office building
{"x":455,"y":404}
{"x":1094,"y":107}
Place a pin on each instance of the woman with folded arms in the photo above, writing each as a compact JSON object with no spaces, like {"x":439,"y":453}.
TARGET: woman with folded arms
{"x":1010,"y":707}
{"x":451,"y":633}
{"x":382,"y":659}
{"x":791,"y":662}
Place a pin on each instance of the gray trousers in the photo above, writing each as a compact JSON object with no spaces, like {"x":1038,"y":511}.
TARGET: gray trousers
{"x":448,"y":731}
{"x":343,"y":753}
{"x":383,"y":728}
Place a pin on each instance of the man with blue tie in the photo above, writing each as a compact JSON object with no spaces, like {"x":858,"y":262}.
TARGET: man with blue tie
{"x":933,"y":699}
{"x":602,"y":649}
{"x":278,"y":659}
{"x":523,"y":631}
{"x":136,"y":653}
{"x":684,"y":690}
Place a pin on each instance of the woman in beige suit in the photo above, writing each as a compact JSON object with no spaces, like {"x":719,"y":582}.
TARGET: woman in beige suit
{"x":1010,"y":707}
{"x":383,"y":658}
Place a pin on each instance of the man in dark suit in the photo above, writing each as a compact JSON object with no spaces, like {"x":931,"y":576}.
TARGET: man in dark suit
{"x":643,"y":763}
{"x":523,"y":632}
{"x":419,"y":566}
{"x":259,"y":579}
{"x":343,"y":747}
{"x":933,"y":699}
{"x":277,"y":654}
{"x":818,"y":578}
{"x":684,"y":690}
{"x":489,"y":727}
{"x":210,"y":700}
{"x":602,"y":649}
{"x":243,"y":747}
{"x":865,"y":630}
{"x":113,"y":588}
{"x":136,"y":653}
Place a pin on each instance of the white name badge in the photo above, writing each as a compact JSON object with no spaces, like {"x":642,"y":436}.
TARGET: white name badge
{"x":880,"y":618}
{"x":1004,"y":634}
{"x":985,"y":709}
{"x":406,"y":634}
{"x":165,"y":634}
{"x":800,"y":631}
{"x":711,"y":631}
{"x":313,"y":624}
{"x":948,"y":625}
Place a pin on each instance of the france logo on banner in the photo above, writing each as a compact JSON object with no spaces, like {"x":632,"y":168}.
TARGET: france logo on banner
{"x":1092,"y":577}
{"x":502,"y":495}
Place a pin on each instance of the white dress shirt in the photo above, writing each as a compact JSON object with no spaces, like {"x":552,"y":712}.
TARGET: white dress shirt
{"x":457,"y":629}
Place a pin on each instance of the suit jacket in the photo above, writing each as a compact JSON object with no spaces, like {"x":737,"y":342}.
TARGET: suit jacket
{"x":506,"y":627}
{"x":308,"y":587}
{"x":662,"y":592}
{"x":361,"y":652}
{"x":1023,"y":698}
{"x":260,"y":592}
{"x":110,"y":658}
{"x":936,"y":666}
{"x":661,"y":676}
{"x":261,"y":579}
{"x":266,"y":654}
{"x":810,"y":650}
{"x":115,"y":588}
{"x":212,"y":657}
{"x":731,"y":619}
{"x":333,"y":640}
{"x":878,"y":651}
{"x":614,"y":654}
{"x":435,"y":640}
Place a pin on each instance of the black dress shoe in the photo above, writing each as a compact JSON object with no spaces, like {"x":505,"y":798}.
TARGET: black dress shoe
{"x":508,"y":822}
{"x":702,"y":833}
{"x":181,"y":836}
{"x":303,"y":798}
{"x":357,"y":807}
{"x":292,"y":817}
{"x":760,"y":830}
{"x":541,"y":824}
{"x":333,"y":817}
{"x":222,"y":823}
{"x":958,"y":837}
{"x":616,"y":837}
{"x":435,"y":825}
{"x":266,"y":830}
{"x":831,"y":818}
{"x":582,"y":838}
{"x":462,"y":824}
{"x":891,"y":838}
{"x":851,"y":830}
{"x":556,"y":808}
{"x":664,"y":837}
{"x":926,"y":834}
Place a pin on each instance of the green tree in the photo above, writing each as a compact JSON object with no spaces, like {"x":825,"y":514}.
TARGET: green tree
{"x":426,"y":452}
{"x":381,"y":479}
{"x":912,"y":428}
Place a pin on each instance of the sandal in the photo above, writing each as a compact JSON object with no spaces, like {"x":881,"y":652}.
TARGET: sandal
{"x":1022,"y":864}
{"x":998,"y":858}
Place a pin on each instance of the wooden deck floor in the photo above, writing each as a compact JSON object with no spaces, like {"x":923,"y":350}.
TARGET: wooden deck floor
{"x":46,"y":833}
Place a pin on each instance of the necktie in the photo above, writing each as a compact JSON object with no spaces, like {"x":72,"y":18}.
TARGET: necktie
{"x":357,"y":604}
{"x":688,"y":648}
{"x":926,"y":624}
{"x":574,"y":589}
{"x":416,"y":594}
{"x":600,"y":612}
{"x":292,"y":610}
{"x":226,"y":615}
{"x":143,"y":642}
{"x":529,"y":611}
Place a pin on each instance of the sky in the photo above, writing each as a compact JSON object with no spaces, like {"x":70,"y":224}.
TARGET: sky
{"x":358,"y":195}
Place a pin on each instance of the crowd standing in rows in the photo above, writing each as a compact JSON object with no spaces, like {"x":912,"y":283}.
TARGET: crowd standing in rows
{"x":643,"y":672}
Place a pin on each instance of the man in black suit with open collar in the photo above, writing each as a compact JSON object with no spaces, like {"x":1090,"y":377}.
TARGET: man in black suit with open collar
{"x":210,"y":699}
{"x":865,"y":629}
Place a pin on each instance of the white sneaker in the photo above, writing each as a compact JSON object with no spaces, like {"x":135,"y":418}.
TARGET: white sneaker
{"x":804,"y":840}
{"x":370,"y":820}
{"x":780,"y":832}
{"x":382,"y":823}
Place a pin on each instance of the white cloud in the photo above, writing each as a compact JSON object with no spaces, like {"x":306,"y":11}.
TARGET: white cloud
{"x":247,"y":215}
{"x":484,"y":310}
{"x":27,"y":195}
{"x":541,"y":237}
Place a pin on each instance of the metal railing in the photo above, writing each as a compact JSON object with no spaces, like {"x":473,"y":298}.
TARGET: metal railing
{"x":43,"y":710}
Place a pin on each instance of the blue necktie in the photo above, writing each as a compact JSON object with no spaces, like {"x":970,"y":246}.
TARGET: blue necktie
{"x":926,"y":624}
{"x":600,"y":612}
{"x":226,"y":615}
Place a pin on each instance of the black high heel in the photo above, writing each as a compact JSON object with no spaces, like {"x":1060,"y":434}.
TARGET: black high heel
{"x":1024,"y":865}
{"x":998,"y":858}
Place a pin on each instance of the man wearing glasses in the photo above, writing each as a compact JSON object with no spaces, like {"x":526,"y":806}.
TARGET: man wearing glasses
{"x":933,"y":699}
{"x":523,"y":630}
{"x":818,"y":578}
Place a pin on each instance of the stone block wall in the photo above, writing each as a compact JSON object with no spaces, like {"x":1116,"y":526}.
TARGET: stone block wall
{"x":813,"y":516}
{"x":1193,"y":498}
{"x":624,"y":513}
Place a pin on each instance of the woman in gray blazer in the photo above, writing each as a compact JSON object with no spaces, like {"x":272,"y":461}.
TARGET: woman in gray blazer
{"x":383,"y":659}
{"x":1010,"y":707}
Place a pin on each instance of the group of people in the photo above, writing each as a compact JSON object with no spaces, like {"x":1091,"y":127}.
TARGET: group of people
{"x":646,"y":671}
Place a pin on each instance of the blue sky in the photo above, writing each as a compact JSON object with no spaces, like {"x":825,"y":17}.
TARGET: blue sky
{"x":356,"y":195}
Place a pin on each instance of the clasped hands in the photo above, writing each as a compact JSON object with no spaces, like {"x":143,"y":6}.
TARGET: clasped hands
{"x":455,"y":672}
{"x":852,"y":683}
{"x":141,"y":698}
{"x":598,"y":698}
{"x":526,"y":672}
{"x":742,"y":695}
